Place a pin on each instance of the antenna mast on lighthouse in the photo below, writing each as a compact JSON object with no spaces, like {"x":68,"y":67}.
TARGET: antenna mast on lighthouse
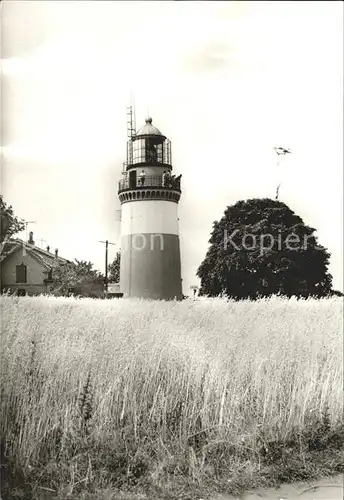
{"x":131,"y":127}
{"x":131,"y":133}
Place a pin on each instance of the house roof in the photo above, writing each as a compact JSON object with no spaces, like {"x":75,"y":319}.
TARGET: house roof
{"x":46,"y":258}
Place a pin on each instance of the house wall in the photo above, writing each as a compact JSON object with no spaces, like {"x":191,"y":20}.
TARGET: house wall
{"x":36,"y":273}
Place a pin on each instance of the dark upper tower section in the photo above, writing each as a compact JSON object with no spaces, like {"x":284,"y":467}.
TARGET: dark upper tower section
{"x":149,"y":147}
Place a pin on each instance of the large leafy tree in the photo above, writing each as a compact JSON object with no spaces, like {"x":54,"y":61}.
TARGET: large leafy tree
{"x":261,"y":247}
{"x":72,"y":275}
{"x":10,"y":224}
{"x":114,"y":269}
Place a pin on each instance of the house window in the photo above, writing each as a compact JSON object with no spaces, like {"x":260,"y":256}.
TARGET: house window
{"x":21,"y":274}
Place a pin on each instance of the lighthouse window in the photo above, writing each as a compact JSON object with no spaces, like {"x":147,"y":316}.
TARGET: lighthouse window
{"x":137,"y":150}
{"x":159,"y":151}
{"x":135,"y":156}
{"x":151,"y":152}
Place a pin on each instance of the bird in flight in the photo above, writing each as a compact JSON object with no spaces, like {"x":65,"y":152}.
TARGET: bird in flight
{"x":282,"y":151}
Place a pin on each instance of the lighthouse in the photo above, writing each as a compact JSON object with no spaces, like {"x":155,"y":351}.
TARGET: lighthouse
{"x":149,"y":194}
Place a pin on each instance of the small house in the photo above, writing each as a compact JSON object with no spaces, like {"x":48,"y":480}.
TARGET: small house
{"x":27,"y":269}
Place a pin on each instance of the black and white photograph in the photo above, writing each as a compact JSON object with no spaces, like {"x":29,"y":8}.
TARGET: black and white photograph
{"x":171,"y":253}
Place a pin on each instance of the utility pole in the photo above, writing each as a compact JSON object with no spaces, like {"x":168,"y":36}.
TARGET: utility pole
{"x":280,"y":151}
{"x":107,"y":243}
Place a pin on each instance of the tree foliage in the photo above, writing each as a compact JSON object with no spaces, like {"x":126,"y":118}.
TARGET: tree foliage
{"x":260,"y":247}
{"x":67,"y":277}
{"x":10,"y":223}
{"x":114,"y":269}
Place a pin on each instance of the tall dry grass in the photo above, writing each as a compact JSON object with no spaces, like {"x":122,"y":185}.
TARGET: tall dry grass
{"x":160,"y":389}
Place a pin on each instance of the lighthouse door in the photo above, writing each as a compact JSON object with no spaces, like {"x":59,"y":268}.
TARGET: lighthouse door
{"x":132,"y":179}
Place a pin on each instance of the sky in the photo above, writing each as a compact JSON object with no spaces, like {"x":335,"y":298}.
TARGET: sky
{"x":224,"y":81}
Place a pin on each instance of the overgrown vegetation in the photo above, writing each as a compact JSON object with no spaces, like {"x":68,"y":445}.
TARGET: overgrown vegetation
{"x":173,"y":400}
{"x":77,"y":277}
{"x":114,"y":269}
{"x":10,"y":224}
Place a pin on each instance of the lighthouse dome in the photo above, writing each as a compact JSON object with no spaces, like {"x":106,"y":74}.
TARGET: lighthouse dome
{"x":148,"y":129}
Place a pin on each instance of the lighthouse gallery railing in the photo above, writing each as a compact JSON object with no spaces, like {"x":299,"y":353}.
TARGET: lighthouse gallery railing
{"x":149,"y":181}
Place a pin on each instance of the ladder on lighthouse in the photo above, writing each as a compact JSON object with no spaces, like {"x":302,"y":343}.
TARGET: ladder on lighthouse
{"x":131,"y":132}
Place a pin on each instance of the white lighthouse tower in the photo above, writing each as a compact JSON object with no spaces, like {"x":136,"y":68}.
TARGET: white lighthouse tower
{"x":149,"y":195}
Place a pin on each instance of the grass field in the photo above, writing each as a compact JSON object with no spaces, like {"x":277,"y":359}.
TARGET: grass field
{"x":168,"y":399}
